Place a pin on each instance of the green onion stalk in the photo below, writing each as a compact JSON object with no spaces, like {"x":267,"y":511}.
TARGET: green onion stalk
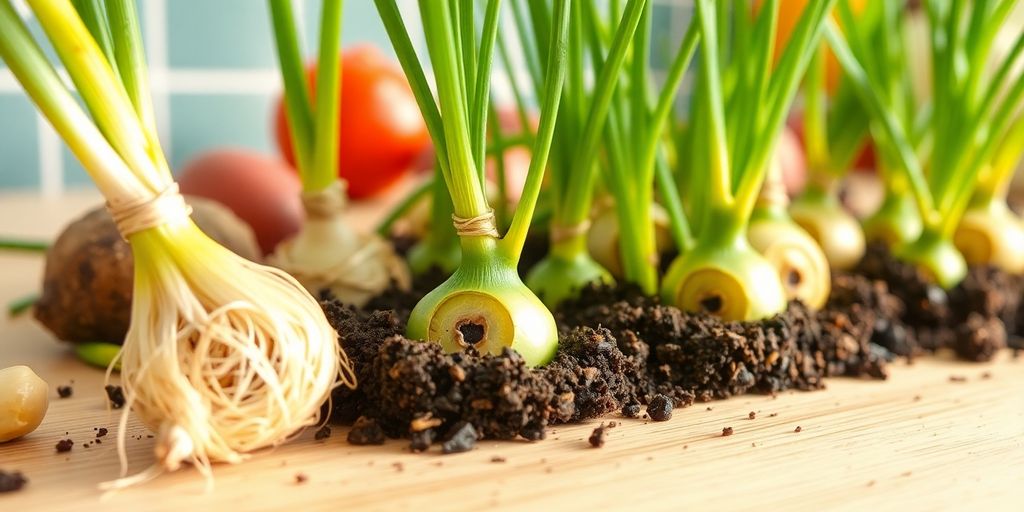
{"x":223,"y":356}
{"x":834,"y":130}
{"x":484,"y":304}
{"x":731,"y":155}
{"x":568,"y":266}
{"x":636,"y":162}
{"x":326,"y":254}
{"x":974,"y":116}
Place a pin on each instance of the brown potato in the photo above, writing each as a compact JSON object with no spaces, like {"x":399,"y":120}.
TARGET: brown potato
{"x":87,"y":284}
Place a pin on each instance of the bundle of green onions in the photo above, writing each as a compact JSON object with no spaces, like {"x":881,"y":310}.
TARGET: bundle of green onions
{"x":973,"y":133}
{"x":223,"y":356}
{"x":835,"y":128}
{"x":326,"y":254}
{"x":484,"y":304}
{"x":733,"y":130}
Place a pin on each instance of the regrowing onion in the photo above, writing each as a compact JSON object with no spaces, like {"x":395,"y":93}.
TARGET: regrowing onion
{"x":223,"y":356}
{"x":484,"y":304}
{"x":326,"y":253}
{"x":636,"y":159}
{"x":732,"y":135}
{"x":835,"y":128}
{"x":971,"y":131}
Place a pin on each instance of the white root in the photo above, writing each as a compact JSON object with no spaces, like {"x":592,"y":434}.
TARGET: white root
{"x":224,"y":356}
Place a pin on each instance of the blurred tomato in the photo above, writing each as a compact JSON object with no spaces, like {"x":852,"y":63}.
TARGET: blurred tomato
{"x":382,"y":130}
{"x":789,"y":15}
{"x":263,"y":191}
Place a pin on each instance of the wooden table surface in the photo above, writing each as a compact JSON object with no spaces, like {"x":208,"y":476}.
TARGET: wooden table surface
{"x":919,"y":441}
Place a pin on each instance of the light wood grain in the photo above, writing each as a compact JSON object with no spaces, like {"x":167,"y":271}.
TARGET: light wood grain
{"x":916,"y":442}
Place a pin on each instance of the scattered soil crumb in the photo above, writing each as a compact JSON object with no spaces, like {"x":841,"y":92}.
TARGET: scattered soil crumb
{"x":751,"y":415}
{"x":772,"y":415}
{"x":709,"y":409}
{"x":917,"y":398}
{"x":100,"y":432}
{"x":116,"y":396}
{"x":497,"y":459}
{"x":366,"y":432}
{"x":612,"y":424}
{"x":301,"y":478}
{"x":798,"y":429}
{"x":597,"y":437}
{"x":686,"y":447}
{"x":660,"y":408}
{"x":727,"y":431}
{"x":957,"y":378}
{"x":631,"y":410}
{"x":907,"y":473}
{"x":871,"y":483}
{"x":322,"y":433}
{"x":461,"y":438}
{"x":65,"y":391}
{"x":753,"y":445}
{"x":399,"y":467}
{"x":11,"y":481}
{"x":986,"y":375}
{"x":64,"y":445}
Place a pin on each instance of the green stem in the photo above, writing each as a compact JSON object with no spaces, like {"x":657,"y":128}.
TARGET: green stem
{"x":402,"y":208}
{"x":463,"y":178}
{"x":326,"y":115}
{"x":576,"y":206}
{"x":515,"y":238}
{"x":296,"y":89}
{"x":719,"y":170}
{"x":21,"y":305}
{"x":24,"y":245}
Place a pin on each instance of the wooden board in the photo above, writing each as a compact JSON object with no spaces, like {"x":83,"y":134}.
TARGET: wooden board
{"x":919,"y":441}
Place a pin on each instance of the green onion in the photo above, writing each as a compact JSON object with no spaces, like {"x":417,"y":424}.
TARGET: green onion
{"x":21,"y":305}
{"x":484,"y":304}
{"x":834,"y":130}
{"x":568,"y":267}
{"x":14,"y":244}
{"x":972,"y":118}
{"x":730,"y":151}
{"x":326,"y":254}
{"x":99,"y":354}
{"x":222,"y":356}
{"x":636,"y":164}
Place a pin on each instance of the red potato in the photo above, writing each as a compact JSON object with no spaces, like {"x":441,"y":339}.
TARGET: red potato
{"x":382,"y":130}
{"x":263,"y":191}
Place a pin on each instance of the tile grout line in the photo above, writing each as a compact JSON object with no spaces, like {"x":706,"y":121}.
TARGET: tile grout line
{"x":155,"y":39}
{"x":51,"y":158}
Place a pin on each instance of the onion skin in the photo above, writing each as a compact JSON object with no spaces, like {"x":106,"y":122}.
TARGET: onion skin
{"x":747,"y":285}
{"x":838,"y":234}
{"x":802,"y":266}
{"x":260,"y":190}
{"x":992,"y":235}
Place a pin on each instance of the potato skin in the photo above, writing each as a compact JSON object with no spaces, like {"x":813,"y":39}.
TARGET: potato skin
{"x":87,"y":283}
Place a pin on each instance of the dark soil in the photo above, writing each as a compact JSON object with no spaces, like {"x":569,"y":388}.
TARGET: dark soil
{"x":597,"y":437}
{"x":11,"y":481}
{"x":972,"y":319}
{"x":115,"y":395}
{"x":620,"y":350}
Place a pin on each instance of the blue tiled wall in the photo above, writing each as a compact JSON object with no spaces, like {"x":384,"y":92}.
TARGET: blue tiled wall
{"x":204,"y":39}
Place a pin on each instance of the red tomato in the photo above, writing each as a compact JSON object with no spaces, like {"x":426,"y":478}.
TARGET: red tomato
{"x":789,"y":15}
{"x":261,"y":190}
{"x":382,"y":130}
